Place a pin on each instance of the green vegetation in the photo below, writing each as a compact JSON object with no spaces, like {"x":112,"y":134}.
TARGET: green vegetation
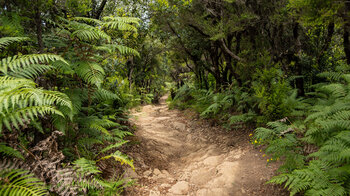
{"x":70,"y":70}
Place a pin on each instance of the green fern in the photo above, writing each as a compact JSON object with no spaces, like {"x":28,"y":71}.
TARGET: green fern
{"x":101,"y":95}
{"x":120,"y":23}
{"x":90,"y":72}
{"x":316,"y":179}
{"x":114,"y":186}
{"x":246,"y":117}
{"x":86,"y":32}
{"x":6,"y":41}
{"x":16,"y":62}
{"x":32,"y":72}
{"x":336,"y":150}
{"x":11,"y":152}
{"x":328,"y":172}
{"x":98,"y":124}
{"x":21,"y":100}
{"x":116,"y":145}
{"x":118,"y":156}
{"x":86,"y":167}
{"x":20,"y":182}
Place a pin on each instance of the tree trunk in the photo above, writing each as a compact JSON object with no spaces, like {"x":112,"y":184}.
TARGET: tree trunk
{"x":346,"y":32}
{"x":39,"y":30}
{"x":98,"y":12}
{"x":299,"y":69}
{"x":131,"y":70}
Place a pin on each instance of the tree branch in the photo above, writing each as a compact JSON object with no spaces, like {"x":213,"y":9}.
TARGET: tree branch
{"x":228,"y":51}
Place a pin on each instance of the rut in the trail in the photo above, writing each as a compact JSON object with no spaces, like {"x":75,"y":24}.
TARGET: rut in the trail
{"x":179,"y":156}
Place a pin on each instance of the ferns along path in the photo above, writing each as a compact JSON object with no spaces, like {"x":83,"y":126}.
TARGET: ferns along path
{"x":175,"y":97}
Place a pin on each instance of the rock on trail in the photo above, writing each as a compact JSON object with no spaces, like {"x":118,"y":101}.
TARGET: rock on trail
{"x":177,"y":155}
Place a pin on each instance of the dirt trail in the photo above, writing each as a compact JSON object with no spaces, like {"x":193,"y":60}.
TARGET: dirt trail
{"x":178,"y":155}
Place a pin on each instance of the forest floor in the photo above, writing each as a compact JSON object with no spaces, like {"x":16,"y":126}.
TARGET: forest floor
{"x":178,"y":154}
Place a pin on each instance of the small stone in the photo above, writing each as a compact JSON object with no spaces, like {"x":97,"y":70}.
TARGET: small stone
{"x":179,"y":188}
{"x":165,"y":172}
{"x":179,"y":126}
{"x":171,"y":180}
{"x":154,"y":193}
{"x":214,"y":160}
{"x":161,"y":175}
{"x":156,"y":171}
{"x":165,"y":185}
{"x":147,"y":173}
{"x":130,"y":173}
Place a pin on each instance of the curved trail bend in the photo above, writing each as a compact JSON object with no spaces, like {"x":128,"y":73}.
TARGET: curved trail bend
{"x":177,"y":155}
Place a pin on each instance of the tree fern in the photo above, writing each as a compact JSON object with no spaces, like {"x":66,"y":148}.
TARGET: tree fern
{"x":32,"y":72}
{"x":130,"y":20}
{"x":20,"y":182}
{"x":124,"y":50}
{"x":90,"y":72}
{"x":85,"y":32}
{"x":104,"y":95}
{"x":5,"y":41}
{"x":16,"y":62}
{"x":120,"y":23}
{"x":20,"y":101}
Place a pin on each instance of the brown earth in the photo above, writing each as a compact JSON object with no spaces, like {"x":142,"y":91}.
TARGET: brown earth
{"x":178,"y":154}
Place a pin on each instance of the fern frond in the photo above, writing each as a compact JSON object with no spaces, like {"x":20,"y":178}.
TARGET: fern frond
{"x":118,"y":156}
{"x":21,"y":101}
{"x":23,"y":61}
{"x":5,"y":41}
{"x":120,"y":133}
{"x":124,"y":50}
{"x":241,"y":118}
{"x":62,"y":65}
{"x":21,"y":182}
{"x":120,"y":23}
{"x":86,"y":32}
{"x":116,"y":145}
{"x":88,"y":20}
{"x":104,"y":95}
{"x":32,"y":72}
{"x":86,"y":167}
{"x":334,"y":76}
{"x":8,"y":151}
{"x":336,"y":150}
{"x":89,"y":141}
{"x":90,"y":72}
{"x":98,"y":124}
{"x":131,"y":20}
{"x":314,"y":180}
{"x":15,"y":117}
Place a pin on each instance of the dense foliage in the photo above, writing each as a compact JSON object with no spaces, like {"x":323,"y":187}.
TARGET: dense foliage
{"x":67,"y":78}
{"x":70,"y":70}
{"x":286,"y":71}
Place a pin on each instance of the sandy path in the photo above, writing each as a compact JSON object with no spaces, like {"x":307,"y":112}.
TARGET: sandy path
{"x":181,"y":156}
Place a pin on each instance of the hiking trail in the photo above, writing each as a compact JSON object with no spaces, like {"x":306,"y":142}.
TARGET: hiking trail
{"x":178,"y":154}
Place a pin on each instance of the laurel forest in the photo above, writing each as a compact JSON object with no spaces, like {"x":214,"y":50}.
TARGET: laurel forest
{"x":71,"y":70}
